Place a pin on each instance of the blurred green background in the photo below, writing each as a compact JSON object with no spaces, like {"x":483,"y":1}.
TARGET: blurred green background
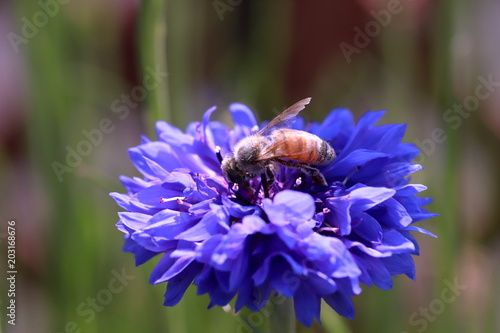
{"x":81,"y":71}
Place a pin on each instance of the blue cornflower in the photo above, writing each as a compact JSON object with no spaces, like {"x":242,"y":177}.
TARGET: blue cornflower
{"x":305,"y":241}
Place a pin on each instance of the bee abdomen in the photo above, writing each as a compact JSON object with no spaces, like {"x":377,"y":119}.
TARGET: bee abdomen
{"x":326,"y":153}
{"x":303,"y":147}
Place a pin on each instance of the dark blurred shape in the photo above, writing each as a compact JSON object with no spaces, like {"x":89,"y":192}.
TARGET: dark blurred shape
{"x":12,"y":86}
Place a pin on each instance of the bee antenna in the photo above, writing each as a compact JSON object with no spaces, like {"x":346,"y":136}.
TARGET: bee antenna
{"x":218,"y":153}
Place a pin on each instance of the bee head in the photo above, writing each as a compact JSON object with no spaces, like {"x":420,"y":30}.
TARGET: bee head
{"x":231,"y":170}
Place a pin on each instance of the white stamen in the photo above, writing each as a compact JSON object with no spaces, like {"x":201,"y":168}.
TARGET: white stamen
{"x":334,"y":230}
{"x":163,"y":200}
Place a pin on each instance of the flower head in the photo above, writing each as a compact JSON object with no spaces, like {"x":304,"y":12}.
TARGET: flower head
{"x":302,"y":240}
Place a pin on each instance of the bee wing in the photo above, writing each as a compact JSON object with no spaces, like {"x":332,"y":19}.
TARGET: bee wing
{"x":280,"y":148}
{"x":286,"y":117}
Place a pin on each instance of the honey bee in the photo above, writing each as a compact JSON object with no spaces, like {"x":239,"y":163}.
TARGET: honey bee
{"x":260,"y":153}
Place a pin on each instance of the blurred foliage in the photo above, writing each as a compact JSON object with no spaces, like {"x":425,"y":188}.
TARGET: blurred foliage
{"x":80,"y":76}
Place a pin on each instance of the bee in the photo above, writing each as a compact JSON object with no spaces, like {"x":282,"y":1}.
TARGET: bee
{"x":260,"y":154}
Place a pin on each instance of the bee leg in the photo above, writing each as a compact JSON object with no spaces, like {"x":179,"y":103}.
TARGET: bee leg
{"x":243,"y":191}
{"x":247,"y":188}
{"x":270,"y":176}
{"x":264,"y":184}
{"x":318,"y":177}
{"x":267,"y":180}
{"x":312,"y":172}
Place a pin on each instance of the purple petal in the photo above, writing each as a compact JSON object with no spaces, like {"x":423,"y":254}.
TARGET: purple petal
{"x":245,"y":295}
{"x":343,"y":166}
{"x":400,"y":264}
{"x":394,"y":242}
{"x":339,"y":214}
{"x":210,"y":129}
{"x":263,"y":272}
{"x":391,"y":214}
{"x":156,"y":169}
{"x":178,"y":181}
{"x":237,"y":210}
{"x":213,"y":223}
{"x":341,"y":303}
{"x":368,"y":228}
{"x":307,"y":305}
{"x":172,"y":135}
{"x":365,"y":198}
{"x":391,"y":138}
{"x":406,"y":152}
{"x":167,"y":224}
{"x":368,"y":250}
{"x":134,"y":221}
{"x":414,"y":228}
{"x":168,"y":267}
{"x":154,"y":196}
{"x":337,"y":121}
{"x":394,"y":173}
{"x":320,"y":283}
{"x":133,"y":185}
{"x":122,"y":200}
{"x":375,"y":271}
{"x":178,"y":285}
{"x":240,"y":269}
{"x":157,"y":151}
{"x":204,"y":251}
{"x":243,"y":119}
{"x":410,"y":189}
{"x":362,"y":127}
{"x":289,"y":207}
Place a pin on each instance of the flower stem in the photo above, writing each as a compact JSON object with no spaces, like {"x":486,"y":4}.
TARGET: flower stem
{"x":153,"y":56}
{"x":283,"y":318}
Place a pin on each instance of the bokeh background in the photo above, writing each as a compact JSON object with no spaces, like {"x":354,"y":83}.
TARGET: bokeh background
{"x":73,"y":69}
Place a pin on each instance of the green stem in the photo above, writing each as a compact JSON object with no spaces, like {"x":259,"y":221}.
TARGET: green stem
{"x":283,"y":317}
{"x":153,"y":56}
{"x":448,"y":11}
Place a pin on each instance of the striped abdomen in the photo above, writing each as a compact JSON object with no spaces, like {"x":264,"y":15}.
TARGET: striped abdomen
{"x":297,"y":146}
